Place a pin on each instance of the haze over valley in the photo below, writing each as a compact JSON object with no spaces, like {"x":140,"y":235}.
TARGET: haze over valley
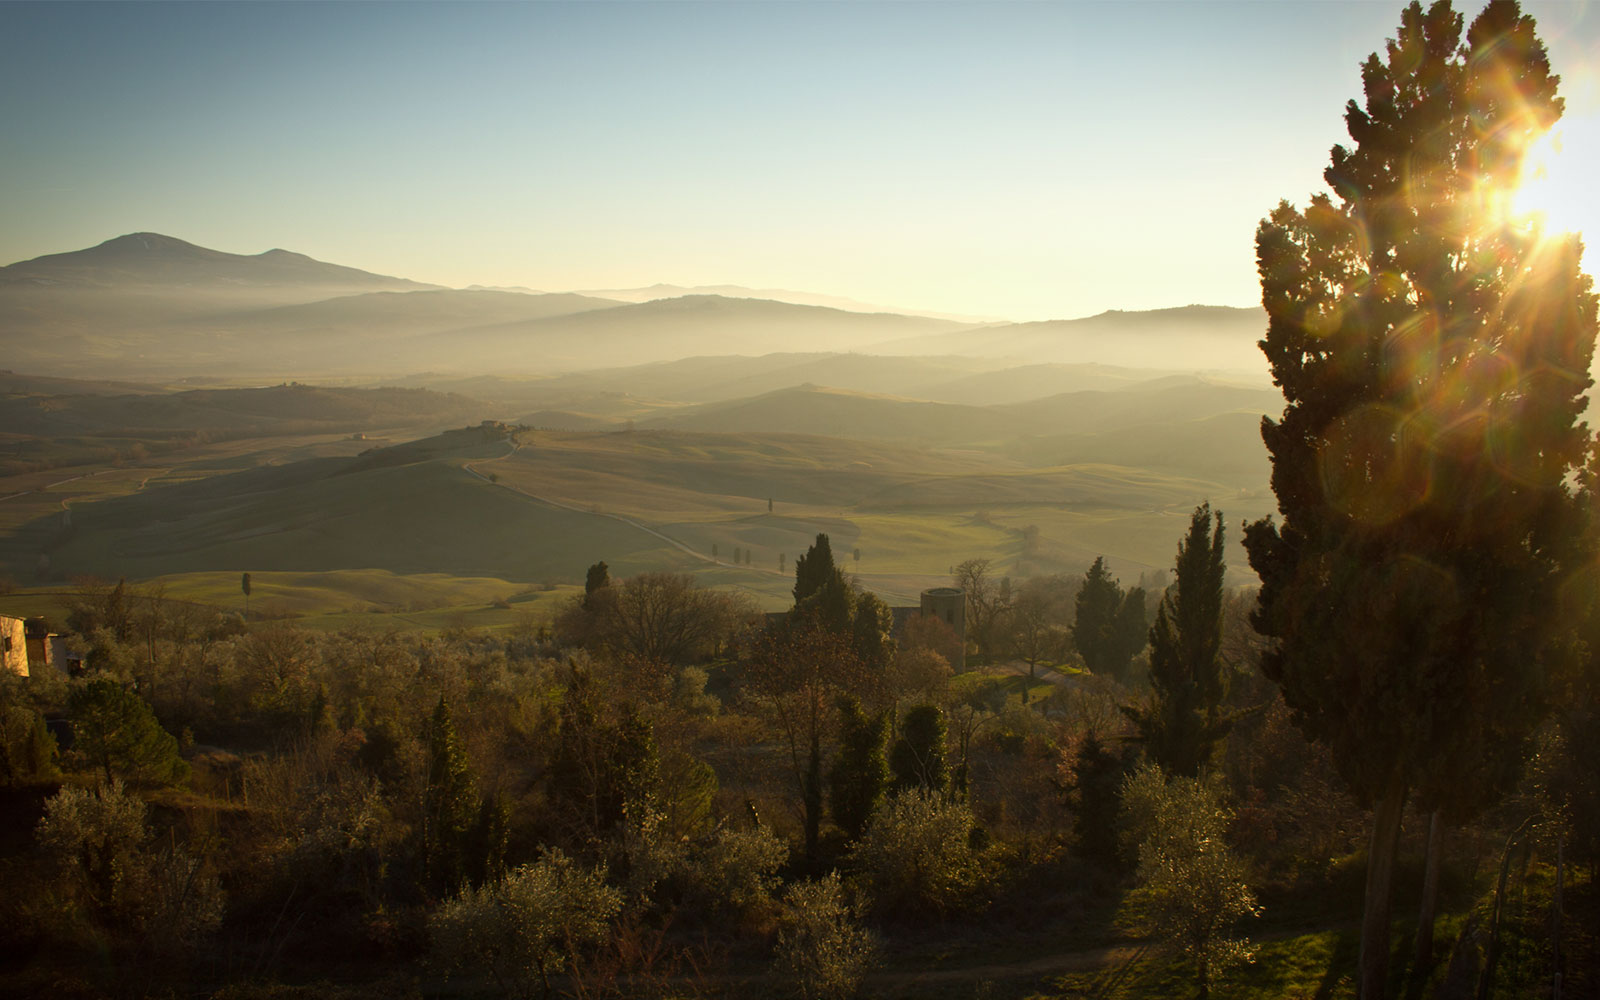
{"x":912,"y":438}
{"x":799,"y":501}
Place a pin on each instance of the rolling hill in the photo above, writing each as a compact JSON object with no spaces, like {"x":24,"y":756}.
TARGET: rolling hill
{"x":418,"y":512}
{"x":1189,"y":338}
{"x":662,"y":330}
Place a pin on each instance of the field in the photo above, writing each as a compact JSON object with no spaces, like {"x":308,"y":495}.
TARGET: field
{"x":373,"y":523}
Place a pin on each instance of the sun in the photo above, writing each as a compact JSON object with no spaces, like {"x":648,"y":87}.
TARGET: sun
{"x":1553,"y":187}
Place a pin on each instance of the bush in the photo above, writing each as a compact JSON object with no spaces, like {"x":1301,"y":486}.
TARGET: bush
{"x":918,"y":854}
{"x":92,"y":838}
{"x":822,"y":950}
{"x":1192,"y":888}
{"x":738,"y":869}
{"x":27,"y":750}
{"x":529,"y":924}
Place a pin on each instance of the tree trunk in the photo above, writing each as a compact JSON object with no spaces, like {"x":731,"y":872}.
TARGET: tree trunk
{"x":1381,"y":851}
{"x":1430,"y":897}
{"x":813,"y":797}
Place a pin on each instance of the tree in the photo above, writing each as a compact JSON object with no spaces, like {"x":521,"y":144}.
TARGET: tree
{"x":986,"y":602}
{"x":115,"y":730}
{"x":821,"y":594}
{"x":814,"y":570}
{"x":1182,"y":722}
{"x":598,"y":577}
{"x":1093,"y":776}
{"x":244,"y":585}
{"x":1108,"y":625}
{"x":1036,"y":622}
{"x":1433,"y":351}
{"x":93,"y":838}
{"x":450,"y":806}
{"x":919,"y":854}
{"x":918,"y":757}
{"x":796,"y":672}
{"x":860,"y":769}
{"x":1192,"y":887}
{"x":602,"y":769}
{"x":657,"y":619}
{"x":27,"y":750}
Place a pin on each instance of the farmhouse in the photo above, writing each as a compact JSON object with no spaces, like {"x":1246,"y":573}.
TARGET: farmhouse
{"x":28,"y":646}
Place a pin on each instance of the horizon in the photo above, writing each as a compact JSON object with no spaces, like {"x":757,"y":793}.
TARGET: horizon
{"x":714,"y":291}
{"x":972,"y":160}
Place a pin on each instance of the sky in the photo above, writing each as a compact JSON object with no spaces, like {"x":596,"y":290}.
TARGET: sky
{"x":1010,"y":160}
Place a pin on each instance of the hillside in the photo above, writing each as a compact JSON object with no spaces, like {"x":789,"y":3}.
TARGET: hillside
{"x":841,"y":413}
{"x":663,"y":330}
{"x":46,"y":430}
{"x":397,"y":314}
{"x":1189,"y":338}
{"x":126,"y":307}
{"x":829,"y":411}
{"x":419,"y":512}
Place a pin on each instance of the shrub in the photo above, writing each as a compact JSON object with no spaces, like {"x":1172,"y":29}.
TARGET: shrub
{"x":92,"y":838}
{"x":822,"y":949}
{"x":918,"y":854}
{"x":738,"y":869}
{"x":1192,"y":888}
{"x":527,"y":925}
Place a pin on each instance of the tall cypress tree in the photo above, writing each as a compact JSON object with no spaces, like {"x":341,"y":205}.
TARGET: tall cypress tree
{"x":1433,"y":352}
{"x":1183,"y":722}
{"x":451,"y":806}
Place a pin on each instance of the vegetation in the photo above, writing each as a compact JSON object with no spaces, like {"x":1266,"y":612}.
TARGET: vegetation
{"x":1191,"y":887}
{"x":1419,"y":501}
{"x":366,"y":704}
{"x":821,"y":948}
{"x":1182,"y":724}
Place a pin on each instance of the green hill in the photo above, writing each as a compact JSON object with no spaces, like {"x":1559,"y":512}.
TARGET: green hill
{"x":423,"y":513}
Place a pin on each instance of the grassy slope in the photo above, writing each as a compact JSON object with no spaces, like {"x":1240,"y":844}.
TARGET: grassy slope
{"x":328,"y":514}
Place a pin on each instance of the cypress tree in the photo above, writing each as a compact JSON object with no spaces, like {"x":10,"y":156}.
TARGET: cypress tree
{"x":1182,"y":724}
{"x":451,"y":805}
{"x":1433,"y":351}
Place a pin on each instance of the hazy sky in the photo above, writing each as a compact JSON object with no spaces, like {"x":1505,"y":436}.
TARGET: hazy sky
{"x":1029,"y":161}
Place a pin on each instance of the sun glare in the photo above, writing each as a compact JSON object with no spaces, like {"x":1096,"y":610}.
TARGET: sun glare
{"x":1548,"y":188}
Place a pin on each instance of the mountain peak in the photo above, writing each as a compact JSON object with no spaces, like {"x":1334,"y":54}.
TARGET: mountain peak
{"x":152,"y":259}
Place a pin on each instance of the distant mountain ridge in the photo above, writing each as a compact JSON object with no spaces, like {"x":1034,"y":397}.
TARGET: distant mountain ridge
{"x":151,"y":258}
{"x":150,"y":305}
{"x":666,"y":291}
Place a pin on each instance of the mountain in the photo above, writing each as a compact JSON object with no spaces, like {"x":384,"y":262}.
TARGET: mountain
{"x":666,"y":329}
{"x":1190,"y":338}
{"x":664,"y":291}
{"x":127,"y":306}
{"x":153,"y":259}
{"x":397,"y":314}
